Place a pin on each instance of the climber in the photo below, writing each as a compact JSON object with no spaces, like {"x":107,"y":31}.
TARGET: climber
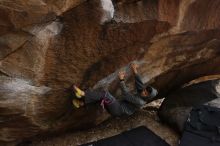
{"x":125,"y":106}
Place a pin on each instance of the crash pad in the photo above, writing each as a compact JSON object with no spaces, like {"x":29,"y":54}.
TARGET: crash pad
{"x":140,"y":136}
{"x":202,"y":127}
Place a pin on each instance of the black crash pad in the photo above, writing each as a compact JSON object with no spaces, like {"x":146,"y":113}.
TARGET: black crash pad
{"x":193,"y":139}
{"x":140,"y":136}
{"x":202,"y":127}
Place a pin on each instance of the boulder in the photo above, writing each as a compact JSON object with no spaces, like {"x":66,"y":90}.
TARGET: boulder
{"x":45,"y":46}
{"x":176,"y":107}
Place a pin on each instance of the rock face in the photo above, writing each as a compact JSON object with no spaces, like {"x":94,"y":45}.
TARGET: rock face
{"x":177,"y":106}
{"x":45,"y":46}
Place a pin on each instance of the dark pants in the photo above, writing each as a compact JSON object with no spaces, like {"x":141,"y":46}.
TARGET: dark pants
{"x":114,"y":106}
{"x":126,"y":106}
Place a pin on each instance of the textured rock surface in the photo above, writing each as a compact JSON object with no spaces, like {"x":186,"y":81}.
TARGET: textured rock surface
{"x":46,"y":45}
{"x":177,"y":106}
{"x":113,"y":127}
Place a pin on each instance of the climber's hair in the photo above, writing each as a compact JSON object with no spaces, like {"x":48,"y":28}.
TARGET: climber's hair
{"x":149,"y":89}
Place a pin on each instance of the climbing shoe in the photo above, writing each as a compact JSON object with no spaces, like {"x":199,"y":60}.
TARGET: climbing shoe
{"x":79,"y":93}
{"x":77,"y":103}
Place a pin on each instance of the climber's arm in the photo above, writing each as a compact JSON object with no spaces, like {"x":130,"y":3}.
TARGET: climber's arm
{"x":121,"y":76}
{"x":138,"y":82}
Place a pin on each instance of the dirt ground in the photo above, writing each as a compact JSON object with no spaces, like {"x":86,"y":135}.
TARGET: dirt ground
{"x":147,"y":117}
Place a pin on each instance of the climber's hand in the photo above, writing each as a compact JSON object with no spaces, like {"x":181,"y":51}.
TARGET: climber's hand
{"x":121,"y":75}
{"x":134,"y":67}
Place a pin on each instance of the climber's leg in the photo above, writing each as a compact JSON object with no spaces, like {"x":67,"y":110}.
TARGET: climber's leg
{"x":119,"y":107}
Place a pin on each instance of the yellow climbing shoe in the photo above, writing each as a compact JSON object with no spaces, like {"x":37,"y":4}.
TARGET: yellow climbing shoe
{"x":77,"y":103}
{"x":79,"y":93}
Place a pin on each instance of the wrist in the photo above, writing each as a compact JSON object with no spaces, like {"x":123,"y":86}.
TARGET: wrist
{"x":135,"y":72}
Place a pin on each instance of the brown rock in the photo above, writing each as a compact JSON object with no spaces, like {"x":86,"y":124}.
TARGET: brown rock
{"x":201,"y":15}
{"x":169,"y":11}
{"x":177,"y":106}
{"x":45,"y":46}
{"x":23,"y":13}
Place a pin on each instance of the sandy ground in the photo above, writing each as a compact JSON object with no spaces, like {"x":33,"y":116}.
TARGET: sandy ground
{"x":147,"y":117}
